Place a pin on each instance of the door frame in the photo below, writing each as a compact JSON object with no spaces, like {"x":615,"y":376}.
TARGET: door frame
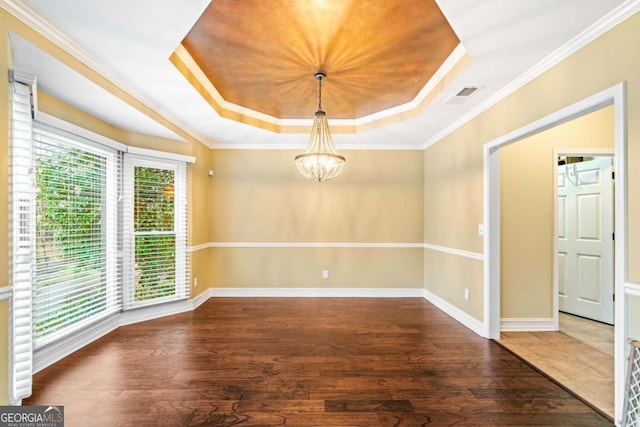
{"x":557,"y":152}
{"x":616,"y":96}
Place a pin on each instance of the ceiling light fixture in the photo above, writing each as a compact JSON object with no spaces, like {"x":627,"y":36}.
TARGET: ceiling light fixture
{"x":320,"y":160}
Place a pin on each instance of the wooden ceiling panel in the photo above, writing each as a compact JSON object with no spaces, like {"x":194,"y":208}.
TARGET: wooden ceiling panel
{"x":377,"y":54}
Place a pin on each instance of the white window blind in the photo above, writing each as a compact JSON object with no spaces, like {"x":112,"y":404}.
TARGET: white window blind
{"x":76,"y":267}
{"x":22,"y":244}
{"x":155,"y":231}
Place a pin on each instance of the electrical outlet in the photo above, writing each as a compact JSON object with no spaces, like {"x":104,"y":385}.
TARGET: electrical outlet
{"x":481,"y":229}
{"x":325,"y":274}
{"x":467,"y":294}
{"x":195,"y":282}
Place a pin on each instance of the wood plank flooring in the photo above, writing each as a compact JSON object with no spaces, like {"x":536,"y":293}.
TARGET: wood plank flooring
{"x":304,"y":362}
{"x":579,"y":356}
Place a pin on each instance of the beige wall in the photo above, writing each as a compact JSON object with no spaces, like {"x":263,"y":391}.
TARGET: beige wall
{"x":603,"y":63}
{"x":452,"y":212}
{"x":453,"y":193}
{"x":302,"y":267}
{"x":449,"y":275}
{"x":199,"y":207}
{"x":258,"y":196}
{"x":527,"y":217}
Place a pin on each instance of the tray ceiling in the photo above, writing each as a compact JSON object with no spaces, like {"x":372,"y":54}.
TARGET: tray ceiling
{"x":262,"y":55}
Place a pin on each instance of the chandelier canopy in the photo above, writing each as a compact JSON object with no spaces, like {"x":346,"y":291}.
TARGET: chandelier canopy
{"x":320,"y":160}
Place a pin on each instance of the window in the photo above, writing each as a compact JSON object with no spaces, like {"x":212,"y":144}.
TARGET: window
{"x":155,"y":230}
{"x":84,"y":230}
{"x":76,"y":278}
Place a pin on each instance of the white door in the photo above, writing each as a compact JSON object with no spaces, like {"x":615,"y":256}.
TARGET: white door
{"x":585,"y":238}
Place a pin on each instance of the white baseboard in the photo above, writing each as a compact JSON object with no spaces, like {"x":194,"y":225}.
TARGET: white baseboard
{"x":318,"y":292}
{"x":467,"y":320}
{"x":202,"y":298}
{"x":527,"y":324}
{"x":143,"y":314}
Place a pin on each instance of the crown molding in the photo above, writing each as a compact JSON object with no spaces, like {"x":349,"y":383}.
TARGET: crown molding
{"x":604,"y":24}
{"x":28,"y":16}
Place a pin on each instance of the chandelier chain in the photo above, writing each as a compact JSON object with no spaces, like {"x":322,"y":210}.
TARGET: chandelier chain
{"x":320,"y":93}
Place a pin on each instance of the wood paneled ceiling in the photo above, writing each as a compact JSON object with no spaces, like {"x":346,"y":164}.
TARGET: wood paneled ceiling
{"x":260,"y":56}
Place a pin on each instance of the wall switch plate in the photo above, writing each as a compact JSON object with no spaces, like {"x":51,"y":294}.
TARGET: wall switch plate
{"x":467,"y":294}
{"x":195,"y":282}
{"x":325,"y":274}
{"x":481,"y":229}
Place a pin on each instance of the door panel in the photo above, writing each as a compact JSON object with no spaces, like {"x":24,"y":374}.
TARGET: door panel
{"x":562,"y":217}
{"x":589,"y":279}
{"x":562,"y":274}
{"x":589,"y":217}
{"x":585,"y":243}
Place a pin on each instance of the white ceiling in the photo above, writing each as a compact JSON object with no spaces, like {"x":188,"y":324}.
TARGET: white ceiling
{"x":130,"y":43}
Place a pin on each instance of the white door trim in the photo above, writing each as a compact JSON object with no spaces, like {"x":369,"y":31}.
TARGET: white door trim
{"x":616,"y":96}
{"x":556,"y":153}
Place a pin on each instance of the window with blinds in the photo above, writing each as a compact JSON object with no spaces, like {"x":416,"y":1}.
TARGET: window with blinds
{"x":84,"y":229}
{"x":76,"y":268}
{"x":155,"y":224}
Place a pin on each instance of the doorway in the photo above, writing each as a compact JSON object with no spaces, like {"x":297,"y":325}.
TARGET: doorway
{"x":616,"y":96}
{"x":584,"y":234}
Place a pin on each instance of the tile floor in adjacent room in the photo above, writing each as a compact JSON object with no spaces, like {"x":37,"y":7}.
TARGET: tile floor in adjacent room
{"x":579,"y":356}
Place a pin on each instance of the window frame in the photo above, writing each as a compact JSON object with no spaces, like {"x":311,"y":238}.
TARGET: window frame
{"x":110,"y":229}
{"x":131,"y":161}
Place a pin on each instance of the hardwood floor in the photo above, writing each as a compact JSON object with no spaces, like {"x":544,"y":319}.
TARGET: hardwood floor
{"x":579,"y":356}
{"x":304,"y":362}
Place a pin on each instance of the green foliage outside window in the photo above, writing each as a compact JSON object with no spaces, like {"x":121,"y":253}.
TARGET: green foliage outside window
{"x":154,"y":208}
{"x":69,"y":229}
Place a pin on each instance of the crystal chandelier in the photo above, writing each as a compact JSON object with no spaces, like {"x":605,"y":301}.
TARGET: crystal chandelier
{"x":320,"y":160}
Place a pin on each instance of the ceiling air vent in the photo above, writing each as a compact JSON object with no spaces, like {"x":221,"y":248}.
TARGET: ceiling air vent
{"x":463,"y":95}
